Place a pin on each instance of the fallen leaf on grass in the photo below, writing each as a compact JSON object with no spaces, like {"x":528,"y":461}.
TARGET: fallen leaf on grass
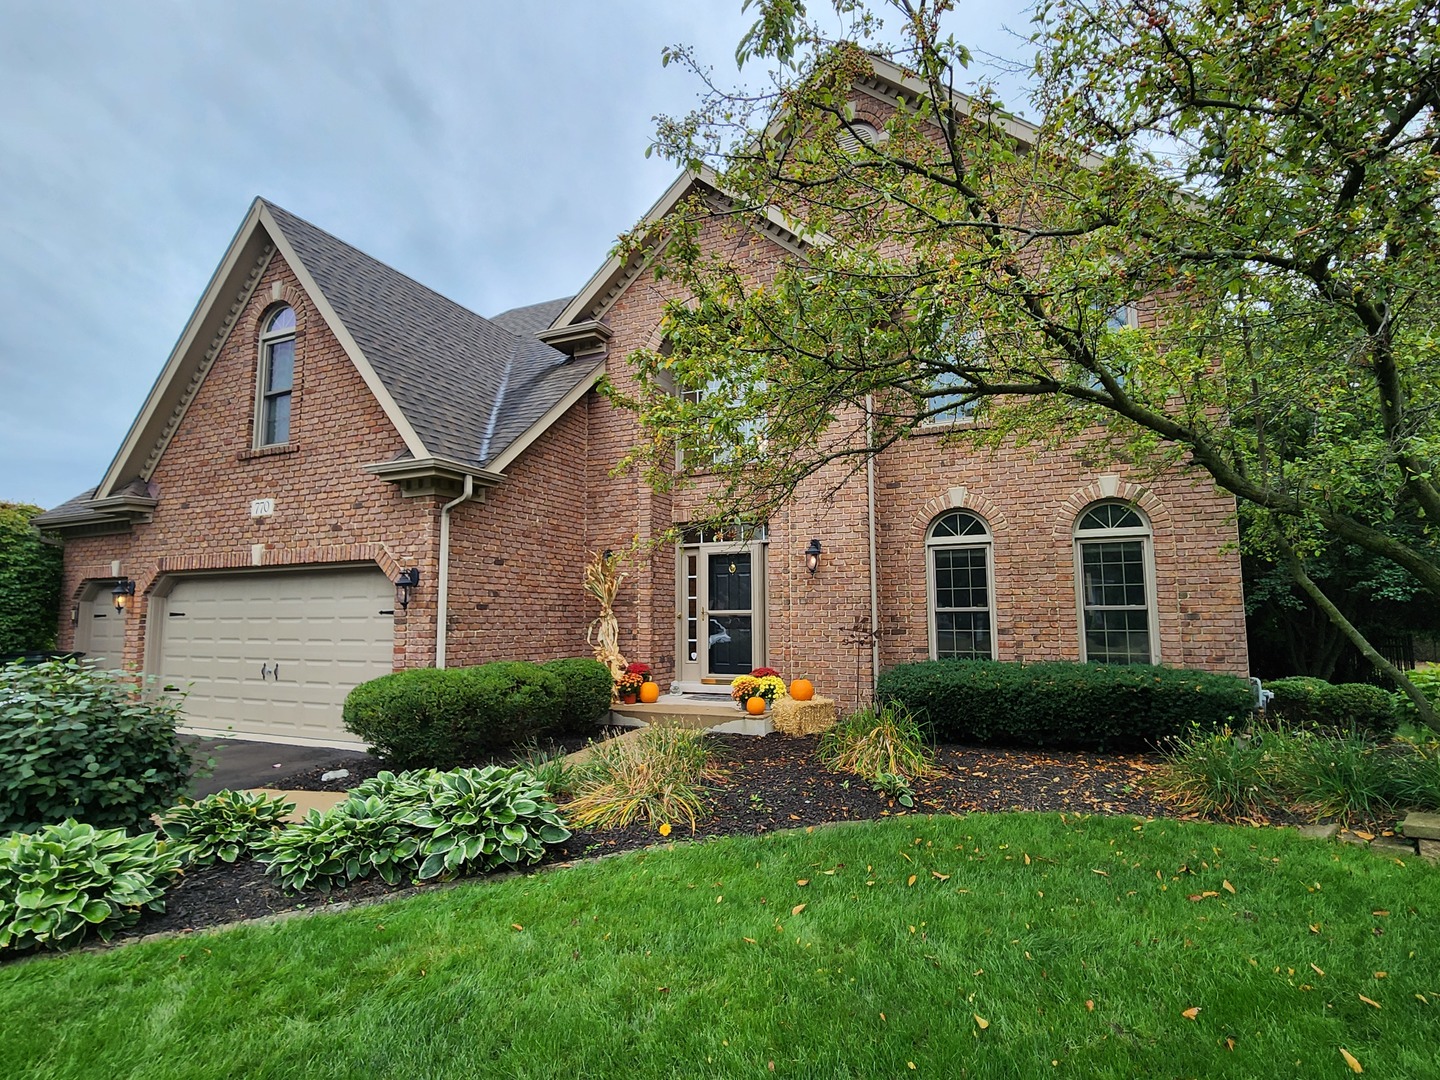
{"x":1380,"y":974}
{"x":797,"y":909}
{"x":1382,"y":912}
{"x":939,"y":876}
{"x":1363,"y":835}
{"x":1314,"y":927}
{"x":981,"y":1022}
{"x":1102,"y":873}
{"x":1317,"y":971}
{"x":911,"y":881}
{"x":1089,"y":1005}
{"x":1027,"y":860}
{"x":516,"y":926}
{"x":1368,"y":1001}
{"x":1351,"y":1060}
{"x":1191,"y":1013}
{"x":1228,"y":887}
{"x":803,"y":882}
{"x":1230,"y":1045}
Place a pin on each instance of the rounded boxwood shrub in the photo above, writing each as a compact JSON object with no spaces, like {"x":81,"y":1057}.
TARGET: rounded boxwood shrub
{"x":1063,"y":704}
{"x":1302,"y":701}
{"x":589,"y":687}
{"x":84,"y":743}
{"x":439,"y":718}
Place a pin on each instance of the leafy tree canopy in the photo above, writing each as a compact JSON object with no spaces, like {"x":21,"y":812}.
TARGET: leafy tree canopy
{"x":29,"y":580}
{"x":1258,"y":180}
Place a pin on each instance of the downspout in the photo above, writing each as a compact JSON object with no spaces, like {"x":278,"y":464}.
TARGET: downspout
{"x":870,"y":524}
{"x":442,"y":592}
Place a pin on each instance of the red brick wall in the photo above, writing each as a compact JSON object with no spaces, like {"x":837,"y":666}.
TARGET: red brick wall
{"x":1030,"y":500}
{"x":327,"y":509}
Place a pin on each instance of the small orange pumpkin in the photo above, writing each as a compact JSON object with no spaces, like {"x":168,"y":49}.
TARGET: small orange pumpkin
{"x":650,"y":692}
{"x":755,"y":706}
{"x":802,"y":690}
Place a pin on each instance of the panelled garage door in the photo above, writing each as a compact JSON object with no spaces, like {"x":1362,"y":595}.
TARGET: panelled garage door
{"x":274,"y":654}
{"x":101,"y":634}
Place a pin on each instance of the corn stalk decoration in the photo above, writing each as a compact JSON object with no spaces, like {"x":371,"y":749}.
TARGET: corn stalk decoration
{"x":602,"y":581}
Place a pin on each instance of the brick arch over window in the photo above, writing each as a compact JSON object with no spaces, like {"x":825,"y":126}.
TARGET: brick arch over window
{"x":959,"y":498}
{"x":1109,"y":489}
{"x":287,"y":295}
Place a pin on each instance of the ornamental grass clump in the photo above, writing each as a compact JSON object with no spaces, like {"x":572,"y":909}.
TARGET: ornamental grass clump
{"x":878,"y":740}
{"x":657,"y":778}
{"x":63,"y":882}
{"x":1225,"y":774}
{"x":223,"y":826}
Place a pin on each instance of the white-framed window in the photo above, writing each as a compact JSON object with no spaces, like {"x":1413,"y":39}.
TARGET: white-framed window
{"x":1115,"y":585}
{"x":960,"y":587}
{"x":277,"y":378}
{"x":953,"y":408}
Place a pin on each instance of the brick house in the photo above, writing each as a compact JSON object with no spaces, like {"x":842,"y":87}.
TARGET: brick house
{"x":327,"y":427}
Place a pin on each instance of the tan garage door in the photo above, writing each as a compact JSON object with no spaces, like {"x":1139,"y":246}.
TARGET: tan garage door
{"x":273,"y":655}
{"x":101,"y":633}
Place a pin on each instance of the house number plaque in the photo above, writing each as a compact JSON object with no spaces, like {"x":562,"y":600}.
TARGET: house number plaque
{"x":262,"y":508}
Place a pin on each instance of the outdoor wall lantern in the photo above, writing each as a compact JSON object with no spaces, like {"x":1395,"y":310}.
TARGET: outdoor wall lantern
{"x":405,"y":584}
{"x":123,"y":593}
{"x":812,"y":556}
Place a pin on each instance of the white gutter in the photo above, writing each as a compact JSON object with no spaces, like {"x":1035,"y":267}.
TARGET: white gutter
{"x":442,"y":597}
{"x":870,"y":523}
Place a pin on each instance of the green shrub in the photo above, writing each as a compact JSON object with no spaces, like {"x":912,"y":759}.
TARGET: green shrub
{"x":63,"y":881}
{"x":657,"y":778}
{"x":1063,"y":704}
{"x":80,"y":742}
{"x":588,"y":689}
{"x":1341,"y":776}
{"x":423,"y":824}
{"x":1225,"y":775}
{"x":1427,"y":681}
{"x":224,"y":825}
{"x":440,"y":718}
{"x":894,"y":787}
{"x":30,"y":572}
{"x":876,"y":740}
{"x":1306,"y":702}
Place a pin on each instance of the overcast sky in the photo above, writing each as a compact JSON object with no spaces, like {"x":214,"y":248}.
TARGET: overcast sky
{"x":491,"y":151}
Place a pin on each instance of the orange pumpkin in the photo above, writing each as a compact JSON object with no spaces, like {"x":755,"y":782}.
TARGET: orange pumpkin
{"x":802,"y":689}
{"x":755,"y":706}
{"x":650,"y":692}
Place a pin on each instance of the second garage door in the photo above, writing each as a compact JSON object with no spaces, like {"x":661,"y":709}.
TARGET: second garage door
{"x":272,"y":655}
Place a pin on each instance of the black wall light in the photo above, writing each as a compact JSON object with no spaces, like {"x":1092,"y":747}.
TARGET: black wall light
{"x":123,"y":594}
{"x":812,"y":556}
{"x":405,"y":584}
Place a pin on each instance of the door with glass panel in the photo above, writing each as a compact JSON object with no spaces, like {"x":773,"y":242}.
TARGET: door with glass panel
{"x":721,"y":617}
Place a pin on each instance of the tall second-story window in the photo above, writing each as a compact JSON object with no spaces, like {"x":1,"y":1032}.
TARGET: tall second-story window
{"x":1115,"y":580}
{"x":277,"y":378}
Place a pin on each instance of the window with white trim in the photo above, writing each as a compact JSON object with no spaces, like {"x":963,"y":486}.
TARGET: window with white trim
{"x":277,"y":378}
{"x":962,"y":617}
{"x":1115,"y":585}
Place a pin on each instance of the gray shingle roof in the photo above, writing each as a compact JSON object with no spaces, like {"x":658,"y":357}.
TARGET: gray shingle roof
{"x":530,"y":320}
{"x":468,"y":385}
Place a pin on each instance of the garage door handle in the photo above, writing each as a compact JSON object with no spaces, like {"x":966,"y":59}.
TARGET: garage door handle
{"x":276,"y":671}
{"x":264,"y":671}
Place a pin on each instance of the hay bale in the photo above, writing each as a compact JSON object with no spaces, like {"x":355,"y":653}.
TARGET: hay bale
{"x":803,"y":717}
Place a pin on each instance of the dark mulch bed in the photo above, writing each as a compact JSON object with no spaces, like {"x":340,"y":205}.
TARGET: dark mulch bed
{"x":768,"y":783}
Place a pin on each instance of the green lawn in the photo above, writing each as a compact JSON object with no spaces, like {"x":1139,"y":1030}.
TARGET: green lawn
{"x":989,"y":946}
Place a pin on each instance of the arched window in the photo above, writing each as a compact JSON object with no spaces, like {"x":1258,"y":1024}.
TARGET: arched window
{"x":1115,"y":583}
{"x":962,"y":618}
{"x":277,"y":378}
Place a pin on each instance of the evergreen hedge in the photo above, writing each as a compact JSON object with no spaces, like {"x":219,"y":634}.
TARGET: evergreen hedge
{"x":1063,"y":704}
{"x":589,"y":689}
{"x":440,"y":718}
{"x":30,"y":582}
{"x":1303,"y":701}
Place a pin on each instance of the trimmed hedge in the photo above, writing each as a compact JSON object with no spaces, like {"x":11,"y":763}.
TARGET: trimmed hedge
{"x":1303,"y":701}
{"x":1062,"y":704}
{"x":440,"y":718}
{"x":589,"y":689}
{"x":30,"y":582}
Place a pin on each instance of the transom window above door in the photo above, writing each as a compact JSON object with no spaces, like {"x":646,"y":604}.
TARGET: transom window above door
{"x":959,"y":580}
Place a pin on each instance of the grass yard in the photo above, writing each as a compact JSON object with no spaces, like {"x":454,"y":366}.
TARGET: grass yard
{"x":1007,"y":945}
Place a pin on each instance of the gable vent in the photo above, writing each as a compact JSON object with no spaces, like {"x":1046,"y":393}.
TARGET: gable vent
{"x":849,"y":140}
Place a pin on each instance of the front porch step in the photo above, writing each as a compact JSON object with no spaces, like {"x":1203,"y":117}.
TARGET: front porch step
{"x":704,"y":711}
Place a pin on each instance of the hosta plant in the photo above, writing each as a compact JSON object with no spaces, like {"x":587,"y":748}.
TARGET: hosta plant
{"x":422,"y":825}
{"x":63,"y":881}
{"x":223,"y":826}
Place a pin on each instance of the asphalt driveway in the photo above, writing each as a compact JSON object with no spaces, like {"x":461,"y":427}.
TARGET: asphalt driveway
{"x":241,"y":764}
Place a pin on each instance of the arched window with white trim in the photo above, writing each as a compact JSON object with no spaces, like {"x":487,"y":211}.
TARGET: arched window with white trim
{"x":1115,"y":585}
{"x":277,"y":378}
{"x":961,"y":593}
